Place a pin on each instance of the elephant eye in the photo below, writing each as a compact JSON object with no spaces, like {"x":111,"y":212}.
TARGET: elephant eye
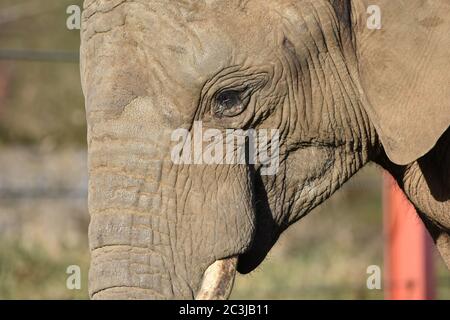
{"x":229,"y":103}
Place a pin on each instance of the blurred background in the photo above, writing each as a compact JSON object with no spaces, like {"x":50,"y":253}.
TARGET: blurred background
{"x":43,"y":184}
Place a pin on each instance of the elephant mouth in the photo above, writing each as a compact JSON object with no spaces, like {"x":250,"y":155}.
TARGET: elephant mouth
{"x":218,"y":280}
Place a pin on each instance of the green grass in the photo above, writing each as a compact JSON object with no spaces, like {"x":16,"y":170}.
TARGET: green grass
{"x":34,"y":273}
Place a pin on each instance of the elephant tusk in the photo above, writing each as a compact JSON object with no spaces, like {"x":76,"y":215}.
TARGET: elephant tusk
{"x":218,"y":280}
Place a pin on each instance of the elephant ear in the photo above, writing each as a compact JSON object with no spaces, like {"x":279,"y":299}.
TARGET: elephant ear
{"x":404,"y":71}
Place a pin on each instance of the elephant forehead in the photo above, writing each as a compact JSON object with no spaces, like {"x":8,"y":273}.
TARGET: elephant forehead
{"x":192,"y":48}
{"x":139,"y":48}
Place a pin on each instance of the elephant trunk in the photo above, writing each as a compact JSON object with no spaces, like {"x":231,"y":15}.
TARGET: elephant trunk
{"x":151,"y":235}
{"x":131,"y":239}
{"x":129,"y":229}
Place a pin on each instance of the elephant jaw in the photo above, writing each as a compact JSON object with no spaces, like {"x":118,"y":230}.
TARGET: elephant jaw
{"x":218,"y":280}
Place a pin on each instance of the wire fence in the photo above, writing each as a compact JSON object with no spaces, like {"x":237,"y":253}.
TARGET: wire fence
{"x":43,"y":56}
{"x":24,"y":10}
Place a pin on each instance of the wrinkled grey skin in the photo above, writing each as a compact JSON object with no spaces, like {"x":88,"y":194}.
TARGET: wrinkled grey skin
{"x":150,"y":67}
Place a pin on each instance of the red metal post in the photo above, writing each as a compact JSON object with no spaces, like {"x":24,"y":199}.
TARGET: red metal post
{"x":408,"y":248}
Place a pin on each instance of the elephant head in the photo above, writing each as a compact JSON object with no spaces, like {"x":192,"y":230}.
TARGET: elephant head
{"x":337,"y":94}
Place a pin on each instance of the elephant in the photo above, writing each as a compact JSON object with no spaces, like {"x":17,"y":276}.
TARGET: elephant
{"x":340,"y":90}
